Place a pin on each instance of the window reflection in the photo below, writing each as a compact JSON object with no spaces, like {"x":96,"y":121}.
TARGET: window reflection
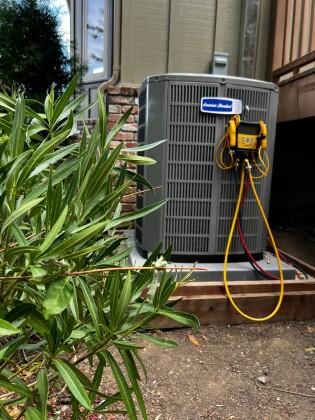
{"x":95,"y":36}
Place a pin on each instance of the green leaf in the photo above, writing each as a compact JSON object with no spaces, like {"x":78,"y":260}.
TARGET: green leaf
{"x":137,"y":160}
{"x":122,"y":386}
{"x":45,"y":148}
{"x":135,"y":177}
{"x":102,"y":116}
{"x":49,"y":105}
{"x":126,"y":345}
{"x":37,"y":271}
{"x":61,"y":173}
{"x":53,"y":158}
{"x":64,"y":99}
{"x":20,"y":250}
{"x":102,"y":170}
{"x":144,"y":147}
{"x":118,"y":126}
{"x":18,"y":136}
{"x":181,"y":317}
{"x":4,"y":414}
{"x":91,"y":305}
{"x":16,"y":214}
{"x":15,"y":387}
{"x":97,"y":377}
{"x":75,"y":240}
{"x":42,"y":385}
{"x":136,"y":214}
{"x":54,"y":232}
{"x":33,"y":413}
{"x":74,"y":384}
{"x":58,"y":297}
{"x":13,"y":173}
{"x":6,"y":328}
{"x":39,"y":323}
{"x":123,"y":302}
{"x":19,"y":310}
{"x":103,"y":198}
{"x":133,"y":376}
{"x":162,"y":342}
{"x":19,"y":235}
{"x":9,"y":349}
{"x":80,"y":375}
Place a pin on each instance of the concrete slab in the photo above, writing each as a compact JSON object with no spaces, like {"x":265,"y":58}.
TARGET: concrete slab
{"x":237,"y":271}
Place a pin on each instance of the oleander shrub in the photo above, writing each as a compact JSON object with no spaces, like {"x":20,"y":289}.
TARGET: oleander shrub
{"x":67,"y":297}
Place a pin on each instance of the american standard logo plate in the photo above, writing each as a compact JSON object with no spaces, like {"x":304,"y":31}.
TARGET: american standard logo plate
{"x":221,"y":105}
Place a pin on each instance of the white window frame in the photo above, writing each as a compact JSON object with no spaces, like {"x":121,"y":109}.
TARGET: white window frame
{"x":108,"y":42}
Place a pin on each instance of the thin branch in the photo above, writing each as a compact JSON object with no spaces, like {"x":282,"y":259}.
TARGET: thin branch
{"x":139,"y":192}
{"x":108,"y":269}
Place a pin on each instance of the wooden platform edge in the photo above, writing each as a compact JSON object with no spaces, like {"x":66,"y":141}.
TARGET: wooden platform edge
{"x":209,"y":303}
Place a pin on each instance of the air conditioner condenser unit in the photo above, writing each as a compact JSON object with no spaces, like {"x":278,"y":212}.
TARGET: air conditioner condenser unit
{"x":196,"y":219}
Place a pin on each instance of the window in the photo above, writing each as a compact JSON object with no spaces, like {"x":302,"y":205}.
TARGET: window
{"x":97,"y":38}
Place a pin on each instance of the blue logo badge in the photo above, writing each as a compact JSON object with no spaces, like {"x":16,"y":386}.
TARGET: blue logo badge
{"x":221,"y":105}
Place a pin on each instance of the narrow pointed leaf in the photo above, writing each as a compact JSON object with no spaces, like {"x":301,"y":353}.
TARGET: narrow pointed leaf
{"x":136,"y":214}
{"x":123,"y":301}
{"x":53,"y":158}
{"x":24,"y":208}
{"x":137,"y":160}
{"x":54,"y":232}
{"x":133,"y":376}
{"x":181,"y":317}
{"x":91,"y":305}
{"x":6,"y":328}
{"x":122,"y":386}
{"x":162,"y":342}
{"x":77,"y":238}
{"x":74,"y":384}
{"x":22,"y":390}
{"x":63,"y":172}
{"x":63,"y":101}
{"x":144,"y":147}
{"x":118,"y":126}
{"x":17,"y":137}
{"x":42,"y":385}
{"x":33,"y":413}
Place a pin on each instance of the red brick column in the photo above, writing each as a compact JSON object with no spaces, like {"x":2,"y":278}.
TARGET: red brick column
{"x":120,"y":99}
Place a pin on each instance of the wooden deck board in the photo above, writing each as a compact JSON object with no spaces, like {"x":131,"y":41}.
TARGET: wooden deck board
{"x":257,"y":298}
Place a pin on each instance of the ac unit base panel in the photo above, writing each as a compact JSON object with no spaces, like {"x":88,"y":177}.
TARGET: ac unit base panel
{"x":237,"y":271}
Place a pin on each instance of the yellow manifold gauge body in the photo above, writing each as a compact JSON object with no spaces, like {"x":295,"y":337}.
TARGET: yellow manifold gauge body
{"x":246,"y":136}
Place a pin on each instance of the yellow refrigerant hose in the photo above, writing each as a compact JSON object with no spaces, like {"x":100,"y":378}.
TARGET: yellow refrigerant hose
{"x":228,"y":246}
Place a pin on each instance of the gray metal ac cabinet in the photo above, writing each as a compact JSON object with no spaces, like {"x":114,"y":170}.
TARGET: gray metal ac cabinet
{"x":201,"y":198}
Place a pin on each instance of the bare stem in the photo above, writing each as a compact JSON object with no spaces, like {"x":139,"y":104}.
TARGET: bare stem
{"x":108,"y":269}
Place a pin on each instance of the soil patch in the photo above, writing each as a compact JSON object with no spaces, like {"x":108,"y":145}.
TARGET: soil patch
{"x":233,"y":372}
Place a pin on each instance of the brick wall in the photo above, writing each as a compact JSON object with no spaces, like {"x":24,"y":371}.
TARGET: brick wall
{"x":120,"y":99}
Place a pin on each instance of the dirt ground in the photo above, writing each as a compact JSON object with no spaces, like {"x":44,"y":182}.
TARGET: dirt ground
{"x":222,"y":372}
{"x":219,"y":373}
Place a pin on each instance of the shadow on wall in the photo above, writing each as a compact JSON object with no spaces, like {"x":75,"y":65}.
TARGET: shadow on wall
{"x":293,"y":194}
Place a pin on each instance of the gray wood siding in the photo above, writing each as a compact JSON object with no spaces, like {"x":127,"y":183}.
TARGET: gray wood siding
{"x":181,"y":36}
{"x":145,"y":28}
{"x":192,"y":29}
{"x":160,"y":36}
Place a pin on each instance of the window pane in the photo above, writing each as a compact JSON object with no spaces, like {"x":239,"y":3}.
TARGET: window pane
{"x":95,"y":36}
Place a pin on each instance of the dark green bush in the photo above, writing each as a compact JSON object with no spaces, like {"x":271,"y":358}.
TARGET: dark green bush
{"x":66,"y":297}
{"x":31,"y":49}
